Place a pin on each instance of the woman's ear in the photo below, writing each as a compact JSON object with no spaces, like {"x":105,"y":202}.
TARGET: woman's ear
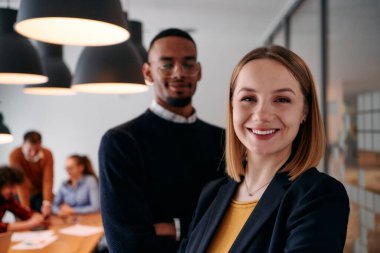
{"x":304,"y":114}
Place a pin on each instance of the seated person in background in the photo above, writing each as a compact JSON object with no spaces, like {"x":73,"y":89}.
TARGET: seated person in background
{"x":9,"y":179}
{"x":36,"y":163}
{"x":79,"y":194}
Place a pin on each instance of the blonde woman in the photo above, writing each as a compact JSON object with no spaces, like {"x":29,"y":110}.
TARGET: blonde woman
{"x":274,"y":199}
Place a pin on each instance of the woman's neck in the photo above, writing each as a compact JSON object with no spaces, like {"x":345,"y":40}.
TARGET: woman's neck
{"x":259,"y":173}
{"x":261,"y":169}
{"x":74,"y":181}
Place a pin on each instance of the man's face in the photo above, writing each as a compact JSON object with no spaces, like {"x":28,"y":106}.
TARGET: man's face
{"x":31,"y":151}
{"x":174,"y":70}
{"x":8,"y":191}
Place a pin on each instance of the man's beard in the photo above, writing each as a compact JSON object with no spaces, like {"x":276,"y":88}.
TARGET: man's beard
{"x":178,"y":102}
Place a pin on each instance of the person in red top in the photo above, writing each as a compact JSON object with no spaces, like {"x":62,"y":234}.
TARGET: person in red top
{"x":9,"y":179}
{"x":36,"y":163}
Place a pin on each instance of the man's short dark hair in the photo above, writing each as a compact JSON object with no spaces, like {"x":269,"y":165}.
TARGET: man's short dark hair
{"x":10,"y":176}
{"x":171,"y":32}
{"x":33,"y":137}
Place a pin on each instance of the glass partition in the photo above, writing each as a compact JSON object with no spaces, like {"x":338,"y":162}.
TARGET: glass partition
{"x":353,"y":98}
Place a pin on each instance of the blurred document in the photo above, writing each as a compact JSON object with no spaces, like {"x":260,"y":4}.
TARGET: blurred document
{"x":30,"y":235}
{"x":81,"y":230}
{"x":35,"y":243}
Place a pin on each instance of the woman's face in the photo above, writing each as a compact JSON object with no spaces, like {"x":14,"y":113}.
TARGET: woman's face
{"x":74,"y":170}
{"x":268,"y":107}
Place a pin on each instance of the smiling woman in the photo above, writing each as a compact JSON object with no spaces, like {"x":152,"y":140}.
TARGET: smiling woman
{"x":274,"y":199}
{"x":277,"y":75}
{"x":268,"y":108}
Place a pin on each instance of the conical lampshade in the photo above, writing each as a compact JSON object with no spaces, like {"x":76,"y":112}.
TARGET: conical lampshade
{"x":72,"y":22}
{"x":135,"y":28}
{"x":19,"y":61}
{"x":59,"y":74}
{"x":111,"y":70}
{"x":5,"y":134}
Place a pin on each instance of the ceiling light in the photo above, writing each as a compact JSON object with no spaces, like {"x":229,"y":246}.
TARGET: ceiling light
{"x":19,"y":61}
{"x":109,"y":70}
{"x":59,"y":74}
{"x":72,"y":22}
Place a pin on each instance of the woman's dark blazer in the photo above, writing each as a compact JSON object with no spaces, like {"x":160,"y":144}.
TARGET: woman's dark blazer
{"x":307,"y":215}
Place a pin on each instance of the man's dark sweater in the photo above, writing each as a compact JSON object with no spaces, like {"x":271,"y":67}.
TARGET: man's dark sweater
{"x":152,"y":170}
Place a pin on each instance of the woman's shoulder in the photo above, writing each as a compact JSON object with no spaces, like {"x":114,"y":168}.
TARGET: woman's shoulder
{"x":89,"y":179}
{"x":314,"y":176}
{"x":313,"y":180}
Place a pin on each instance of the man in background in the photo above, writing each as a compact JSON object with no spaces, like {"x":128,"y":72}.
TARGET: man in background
{"x":9,"y":179}
{"x":153,"y":167}
{"x":36,"y":163}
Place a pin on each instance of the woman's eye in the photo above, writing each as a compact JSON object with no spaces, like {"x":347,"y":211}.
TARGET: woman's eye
{"x":283,"y":100}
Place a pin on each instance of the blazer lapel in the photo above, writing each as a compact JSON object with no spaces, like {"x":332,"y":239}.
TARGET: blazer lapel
{"x":215,"y":214}
{"x":268,"y":203}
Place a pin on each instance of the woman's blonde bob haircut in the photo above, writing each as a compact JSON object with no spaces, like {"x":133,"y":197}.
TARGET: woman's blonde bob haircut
{"x":309,"y":145}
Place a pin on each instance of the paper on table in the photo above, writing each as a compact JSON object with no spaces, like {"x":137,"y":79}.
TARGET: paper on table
{"x":35,"y":243}
{"x":29,"y":235}
{"x":81,"y":230}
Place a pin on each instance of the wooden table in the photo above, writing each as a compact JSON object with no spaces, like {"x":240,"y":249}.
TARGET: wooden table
{"x":69,"y":243}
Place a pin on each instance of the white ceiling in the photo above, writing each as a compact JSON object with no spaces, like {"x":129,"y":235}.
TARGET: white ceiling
{"x":231,"y":18}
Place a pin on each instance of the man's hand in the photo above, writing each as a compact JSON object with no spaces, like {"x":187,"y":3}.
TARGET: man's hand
{"x":36,"y":220}
{"x":165,"y":229}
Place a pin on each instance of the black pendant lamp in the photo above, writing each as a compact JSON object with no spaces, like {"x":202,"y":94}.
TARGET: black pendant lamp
{"x":72,"y":22}
{"x":5,"y":134}
{"x":59,"y":74}
{"x":19,"y":61}
{"x":135,"y":28}
{"x":110,"y":70}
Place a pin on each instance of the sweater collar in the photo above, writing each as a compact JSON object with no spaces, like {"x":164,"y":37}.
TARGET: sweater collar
{"x":171,"y":116}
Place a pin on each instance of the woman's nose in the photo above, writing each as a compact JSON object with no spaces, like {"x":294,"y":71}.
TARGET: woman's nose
{"x":262,"y":112}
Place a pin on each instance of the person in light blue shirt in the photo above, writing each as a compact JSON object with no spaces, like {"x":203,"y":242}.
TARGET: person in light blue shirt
{"x":80,"y":193}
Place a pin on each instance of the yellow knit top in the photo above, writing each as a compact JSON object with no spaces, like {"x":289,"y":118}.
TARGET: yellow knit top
{"x":231,"y":225}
